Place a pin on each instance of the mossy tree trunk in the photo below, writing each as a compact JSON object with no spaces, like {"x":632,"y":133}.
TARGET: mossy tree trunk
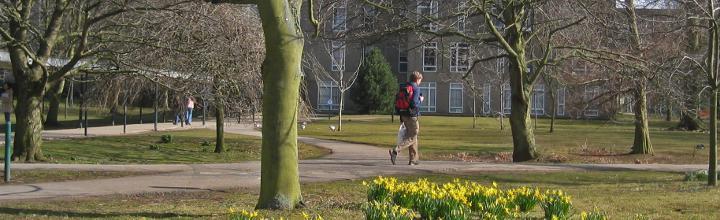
{"x":641,"y":144}
{"x":521,"y":80}
{"x":28,"y":115}
{"x":281,"y":75}
{"x":520,"y":120}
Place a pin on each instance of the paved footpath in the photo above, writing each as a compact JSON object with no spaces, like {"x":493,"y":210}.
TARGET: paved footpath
{"x":347,"y":161}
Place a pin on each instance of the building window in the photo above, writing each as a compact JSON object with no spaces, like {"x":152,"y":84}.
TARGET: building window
{"x":428,"y":90}
{"x":538,"y":100}
{"x":506,"y":99}
{"x":561,"y":102}
{"x":462,"y":16}
{"x":459,"y":53}
{"x":500,"y":62}
{"x":579,"y":67}
{"x":456,"y":98}
{"x":427,"y":11}
{"x":338,"y":55}
{"x":592,"y":92}
{"x":429,"y":54}
{"x":340,"y":17}
{"x":626,"y":104}
{"x":369,"y":14}
{"x":486,"y":98}
{"x":402,"y":56}
{"x":328,"y":96}
{"x":649,"y":4}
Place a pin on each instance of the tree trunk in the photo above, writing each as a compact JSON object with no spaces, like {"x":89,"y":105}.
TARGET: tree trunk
{"x":712,"y":165}
{"x":668,"y":110}
{"x":642,"y":144}
{"x":554,"y":110}
{"x":281,"y":74}
{"x":219,"y":127}
{"x":502,"y":109}
{"x":521,"y":87}
{"x":520,"y":124}
{"x":28,"y":134}
{"x":340,"y":108}
{"x":712,"y":68}
{"x":55,"y":92}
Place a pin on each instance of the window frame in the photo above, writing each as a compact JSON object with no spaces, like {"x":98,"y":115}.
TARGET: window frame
{"x":591,"y":110}
{"x":561,"y":102}
{"x":337,"y":47}
{"x":430,"y":95}
{"x":487,"y":99}
{"x":434,"y":48}
{"x":339,"y":21}
{"x":334,"y":97}
{"x":451,"y":108}
{"x":432,"y":8}
{"x":455,"y":57}
{"x":506,"y":99}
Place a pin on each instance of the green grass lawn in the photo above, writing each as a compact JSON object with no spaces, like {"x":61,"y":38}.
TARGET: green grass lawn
{"x":186,"y":147}
{"x":41,"y":176}
{"x":584,"y":141}
{"x":621,"y":195}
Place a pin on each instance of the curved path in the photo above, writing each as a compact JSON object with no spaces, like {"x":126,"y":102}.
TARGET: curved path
{"x":347,"y":161}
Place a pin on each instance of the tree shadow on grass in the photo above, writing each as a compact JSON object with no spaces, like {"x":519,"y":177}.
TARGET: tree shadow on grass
{"x":58,"y":213}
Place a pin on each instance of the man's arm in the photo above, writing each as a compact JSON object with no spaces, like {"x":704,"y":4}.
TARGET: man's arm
{"x":416,"y":96}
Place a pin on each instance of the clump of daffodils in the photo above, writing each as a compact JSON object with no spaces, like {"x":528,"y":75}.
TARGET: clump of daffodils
{"x":592,"y":216}
{"x":254,"y":215}
{"x":556,"y":205}
{"x":459,"y":200}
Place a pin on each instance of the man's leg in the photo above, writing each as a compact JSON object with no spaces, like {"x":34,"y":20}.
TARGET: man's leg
{"x":189,"y":116}
{"x":413,"y":150}
{"x":410,"y":134}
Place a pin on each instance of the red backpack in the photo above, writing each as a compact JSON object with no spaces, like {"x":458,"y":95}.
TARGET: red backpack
{"x":403,"y":100}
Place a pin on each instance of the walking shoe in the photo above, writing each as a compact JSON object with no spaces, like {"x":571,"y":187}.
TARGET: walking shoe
{"x":413,"y":163}
{"x":393,"y":156}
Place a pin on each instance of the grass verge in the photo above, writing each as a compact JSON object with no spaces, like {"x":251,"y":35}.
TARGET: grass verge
{"x":188,"y":146}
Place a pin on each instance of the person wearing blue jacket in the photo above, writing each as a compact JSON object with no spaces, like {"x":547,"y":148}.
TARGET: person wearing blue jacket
{"x":410,"y":120}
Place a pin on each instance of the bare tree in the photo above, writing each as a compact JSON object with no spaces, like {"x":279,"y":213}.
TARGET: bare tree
{"x":343,"y":77}
{"x":708,"y":67}
{"x":201,"y":51}
{"x":33,"y":41}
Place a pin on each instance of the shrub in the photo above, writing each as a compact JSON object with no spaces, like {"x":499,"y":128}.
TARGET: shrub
{"x":698,"y":175}
{"x":166,"y":139}
{"x":376,"y":85}
{"x":154,"y":147}
{"x":205,"y":143}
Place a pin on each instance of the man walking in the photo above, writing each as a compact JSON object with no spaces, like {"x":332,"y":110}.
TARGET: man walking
{"x":189,"y":109}
{"x":407,"y":105}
